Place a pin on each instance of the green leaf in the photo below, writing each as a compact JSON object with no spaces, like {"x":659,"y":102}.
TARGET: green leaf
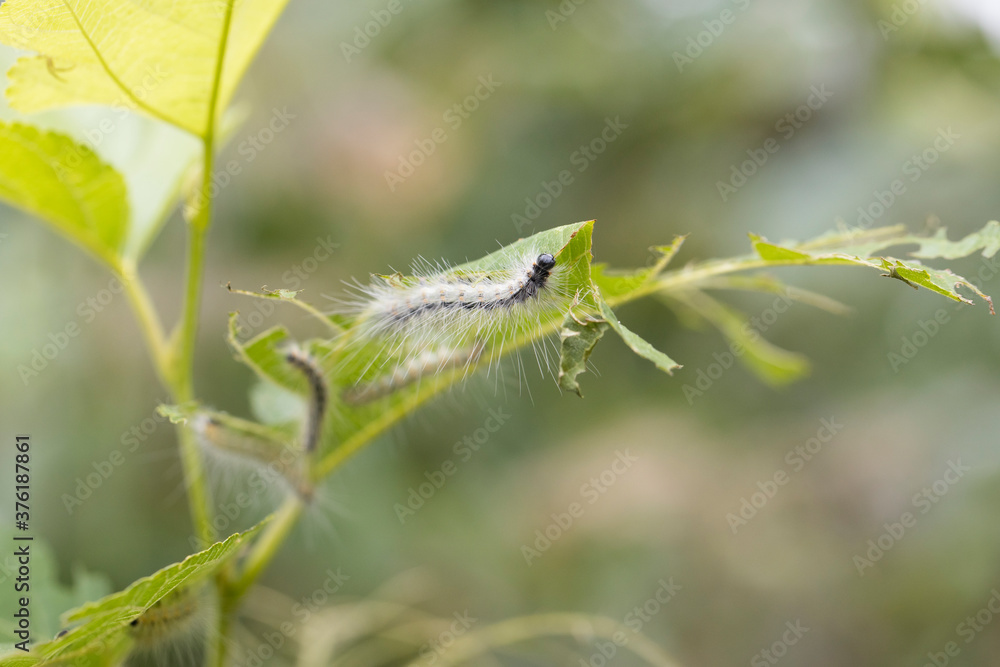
{"x":858,"y":247}
{"x":274,"y":405}
{"x":636,"y":342}
{"x":160,"y":58}
{"x":66,"y":185}
{"x":576,"y":341}
{"x":615,"y":284}
{"x":351,"y":427}
{"x":104,"y":624}
{"x":988,"y":238}
{"x":265,"y":355}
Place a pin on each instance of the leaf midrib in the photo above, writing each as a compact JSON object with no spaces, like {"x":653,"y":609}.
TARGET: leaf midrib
{"x":118,"y":82}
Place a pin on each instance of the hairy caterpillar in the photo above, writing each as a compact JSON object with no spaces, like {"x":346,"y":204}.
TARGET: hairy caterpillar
{"x":318,"y":396}
{"x":453,"y":302}
{"x":416,"y":323}
{"x":407,"y":373}
{"x":172,"y":629}
{"x":276,"y":460}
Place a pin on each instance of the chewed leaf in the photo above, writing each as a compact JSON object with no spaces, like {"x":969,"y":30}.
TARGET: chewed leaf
{"x":266,"y":355}
{"x":149,"y":590}
{"x":66,"y":185}
{"x":263,"y":354}
{"x":858,"y":247}
{"x":620,"y":283}
{"x":987,"y":239}
{"x":103,"y":628}
{"x":558,"y":240}
{"x":291,"y":297}
{"x":577,"y":340}
{"x":160,"y":58}
{"x":636,"y":342}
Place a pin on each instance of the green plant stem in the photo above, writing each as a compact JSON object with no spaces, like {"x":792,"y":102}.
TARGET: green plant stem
{"x":149,"y":321}
{"x":198,"y":228}
{"x":216,"y":650}
{"x":264,"y":549}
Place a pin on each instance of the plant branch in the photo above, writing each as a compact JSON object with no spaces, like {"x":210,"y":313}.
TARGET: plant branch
{"x":148,"y":320}
{"x":673,"y":281}
{"x":264,"y":549}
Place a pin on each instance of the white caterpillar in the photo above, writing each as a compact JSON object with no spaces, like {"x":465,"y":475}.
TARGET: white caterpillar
{"x":278,"y":466}
{"x":419,"y":321}
{"x":410,"y":372}
{"x":172,"y":630}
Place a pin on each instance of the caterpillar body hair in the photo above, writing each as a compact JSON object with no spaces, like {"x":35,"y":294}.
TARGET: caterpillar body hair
{"x":277,"y":460}
{"x":449,"y":308}
{"x":407,"y":373}
{"x":488,"y":293}
{"x":171,"y":630}
{"x":318,"y":395}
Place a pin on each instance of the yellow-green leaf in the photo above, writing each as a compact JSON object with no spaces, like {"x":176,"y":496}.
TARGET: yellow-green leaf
{"x":67,"y":185}
{"x":158,"y":56}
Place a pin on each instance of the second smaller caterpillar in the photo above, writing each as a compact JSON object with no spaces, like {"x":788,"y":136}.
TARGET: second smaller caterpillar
{"x":407,"y":373}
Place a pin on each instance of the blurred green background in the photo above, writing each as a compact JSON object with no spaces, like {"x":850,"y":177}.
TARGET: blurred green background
{"x":695,"y":85}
